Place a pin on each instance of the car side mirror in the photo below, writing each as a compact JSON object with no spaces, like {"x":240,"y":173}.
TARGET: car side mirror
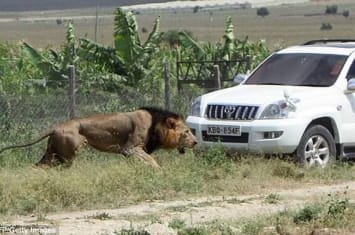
{"x":351,"y":85}
{"x":239,"y":78}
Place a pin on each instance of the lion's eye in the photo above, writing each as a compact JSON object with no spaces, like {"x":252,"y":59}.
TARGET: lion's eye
{"x":187,"y":131}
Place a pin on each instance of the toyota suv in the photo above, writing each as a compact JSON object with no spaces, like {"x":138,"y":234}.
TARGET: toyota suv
{"x":299,"y":101}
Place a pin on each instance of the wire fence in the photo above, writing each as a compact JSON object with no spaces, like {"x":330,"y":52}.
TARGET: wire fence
{"x":25,"y":117}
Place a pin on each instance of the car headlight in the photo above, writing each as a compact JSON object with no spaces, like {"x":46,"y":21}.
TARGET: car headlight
{"x":196,"y":107}
{"x":277,"y":110}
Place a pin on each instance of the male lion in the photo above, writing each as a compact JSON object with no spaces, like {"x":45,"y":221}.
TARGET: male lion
{"x":136,"y":133}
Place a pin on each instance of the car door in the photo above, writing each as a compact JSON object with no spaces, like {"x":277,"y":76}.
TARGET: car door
{"x":347,"y":110}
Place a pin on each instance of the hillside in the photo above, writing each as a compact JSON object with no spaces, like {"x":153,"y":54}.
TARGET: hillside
{"x":41,"y":5}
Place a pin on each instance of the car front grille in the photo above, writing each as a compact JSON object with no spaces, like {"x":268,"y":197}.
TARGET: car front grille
{"x":231,"y":112}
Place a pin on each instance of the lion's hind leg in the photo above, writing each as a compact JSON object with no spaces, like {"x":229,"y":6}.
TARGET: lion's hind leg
{"x":49,"y":159}
{"x":62,"y":149}
{"x":52,"y":160}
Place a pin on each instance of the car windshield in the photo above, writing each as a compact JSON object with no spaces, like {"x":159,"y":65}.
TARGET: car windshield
{"x":299,"y":69}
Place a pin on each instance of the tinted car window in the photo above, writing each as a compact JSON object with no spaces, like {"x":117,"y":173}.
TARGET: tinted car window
{"x":299,"y":70}
{"x":351,"y":72}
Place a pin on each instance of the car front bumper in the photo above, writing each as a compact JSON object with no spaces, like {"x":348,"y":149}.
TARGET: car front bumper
{"x":257,"y":136}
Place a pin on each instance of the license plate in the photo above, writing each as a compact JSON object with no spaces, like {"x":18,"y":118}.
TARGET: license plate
{"x":224,"y":130}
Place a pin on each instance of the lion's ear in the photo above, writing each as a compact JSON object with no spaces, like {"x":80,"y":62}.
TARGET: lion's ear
{"x":171,"y":123}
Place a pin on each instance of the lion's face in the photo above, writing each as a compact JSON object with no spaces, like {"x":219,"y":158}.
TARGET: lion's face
{"x":185,"y":136}
{"x":174,"y":133}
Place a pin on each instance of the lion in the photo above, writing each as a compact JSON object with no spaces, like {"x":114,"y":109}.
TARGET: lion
{"x":136,"y":133}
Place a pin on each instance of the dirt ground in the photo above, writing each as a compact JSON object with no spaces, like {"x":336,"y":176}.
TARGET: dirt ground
{"x":154,"y":216}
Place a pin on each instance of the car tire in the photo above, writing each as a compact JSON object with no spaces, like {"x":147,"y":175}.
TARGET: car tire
{"x":316,"y":148}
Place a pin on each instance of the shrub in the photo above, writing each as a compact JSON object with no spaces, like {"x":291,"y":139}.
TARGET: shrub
{"x":286,"y":170}
{"x":307,"y":214}
{"x":196,"y":9}
{"x":177,"y":224}
{"x":215,"y":155}
{"x":333,"y":9}
{"x":337,"y":207}
{"x":193,"y":231}
{"x":272,"y":198}
{"x":262,"y":11}
{"x":326,"y":26}
{"x":346,"y":13}
{"x":59,"y":21}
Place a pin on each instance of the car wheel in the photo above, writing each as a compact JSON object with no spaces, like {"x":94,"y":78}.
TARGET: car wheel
{"x":316,"y":148}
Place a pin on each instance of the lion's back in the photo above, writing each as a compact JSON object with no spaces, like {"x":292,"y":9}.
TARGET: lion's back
{"x":117,"y":129}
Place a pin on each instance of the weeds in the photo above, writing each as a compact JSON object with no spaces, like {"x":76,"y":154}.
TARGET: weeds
{"x":102,"y":180}
{"x":307,"y":220}
{"x":287,"y":170}
{"x":334,"y":209}
{"x":307,"y":214}
{"x":251,"y":227}
{"x":194,"y":231}
{"x":215,"y":155}
{"x":272,"y":198}
{"x":177,"y":224}
{"x":99,"y":179}
{"x":101,"y":216}
{"x":337,"y":207}
{"x":131,"y":232}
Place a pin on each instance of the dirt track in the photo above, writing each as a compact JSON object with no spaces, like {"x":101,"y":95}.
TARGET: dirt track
{"x":155,"y":216}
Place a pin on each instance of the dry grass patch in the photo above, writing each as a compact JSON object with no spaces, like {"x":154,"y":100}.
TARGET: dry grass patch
{"x":99,"y":180}
{"x":286,"y":25}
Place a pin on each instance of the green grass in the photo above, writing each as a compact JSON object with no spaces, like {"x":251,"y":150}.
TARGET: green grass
{"x":314,"y":218}
{"x":98,"y":180}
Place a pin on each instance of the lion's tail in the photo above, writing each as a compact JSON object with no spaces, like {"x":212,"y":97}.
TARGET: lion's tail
{"x":28,"y":144}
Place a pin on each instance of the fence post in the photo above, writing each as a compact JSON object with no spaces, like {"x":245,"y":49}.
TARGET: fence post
{"x":96,"y":22}
{"x":178,"y":75}
{"x":167,"y":85}
{"x":248,"y":63}
{"x":217,"y":74}
{"x":72,"y":84}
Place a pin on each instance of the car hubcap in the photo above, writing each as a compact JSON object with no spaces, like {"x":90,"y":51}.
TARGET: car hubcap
{"x":317,"y":151}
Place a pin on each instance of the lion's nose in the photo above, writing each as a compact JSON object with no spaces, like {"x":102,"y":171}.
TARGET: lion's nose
{"x":194,"y":143}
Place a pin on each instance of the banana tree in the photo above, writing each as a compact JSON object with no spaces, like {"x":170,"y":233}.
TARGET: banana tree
{"x":227,"y":53}
{"x":54,"y":64}
{"x":228,"y":48}
{"x":15,"y":70}
{"x":129,"y":57}
{"x":194,"y":50}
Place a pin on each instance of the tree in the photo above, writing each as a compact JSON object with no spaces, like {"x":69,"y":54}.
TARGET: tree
{"x":196,"y":9}
{"x":332,"y":10}
{"x":230,"y":49}
{"x":173,"y":37}
{"x":228,"y":37}
{"x":135,"y":59}
{"x":262,"y":11}
{"x":54,"y":64}
{"x":346,"y":13}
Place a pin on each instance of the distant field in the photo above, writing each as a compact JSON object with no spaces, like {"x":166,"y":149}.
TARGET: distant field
{"x":40,"y":5}
{"x":286,"y":24}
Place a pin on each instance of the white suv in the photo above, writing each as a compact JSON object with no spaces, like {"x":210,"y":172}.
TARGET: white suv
{"x":300,"y":101}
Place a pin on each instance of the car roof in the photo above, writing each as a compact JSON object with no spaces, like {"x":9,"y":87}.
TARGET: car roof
{"x":333,"y":46}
